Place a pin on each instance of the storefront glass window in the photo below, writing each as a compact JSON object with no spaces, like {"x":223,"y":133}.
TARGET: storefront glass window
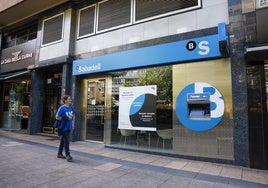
{"x":205,"y":131}
{"x":161,"y":137}
{"x":15,"y":110}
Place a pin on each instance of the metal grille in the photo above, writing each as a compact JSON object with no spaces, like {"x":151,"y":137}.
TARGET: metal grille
{"x":52,"y":101}
{"x":95,"y":110}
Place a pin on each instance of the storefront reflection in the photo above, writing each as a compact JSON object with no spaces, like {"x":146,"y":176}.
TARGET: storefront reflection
{"x":15,"y":110}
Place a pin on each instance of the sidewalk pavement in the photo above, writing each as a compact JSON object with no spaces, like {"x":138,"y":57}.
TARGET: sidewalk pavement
{"x":30,"y":161}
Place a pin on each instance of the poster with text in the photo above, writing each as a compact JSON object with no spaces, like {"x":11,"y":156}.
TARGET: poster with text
{"x":137,"y":108}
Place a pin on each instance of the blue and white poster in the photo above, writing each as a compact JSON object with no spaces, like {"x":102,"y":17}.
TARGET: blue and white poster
{"x":137,"y":108}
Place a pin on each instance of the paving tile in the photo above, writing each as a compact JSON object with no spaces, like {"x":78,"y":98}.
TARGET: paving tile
{"x":124,"y":181}
{"x":221,"y":185}
{"x":178,"y":181}
{"x":176,"y":164}
{"x":21,"y":184}
{"x":131,"y":157}
{"x":266,"y":176}
{"x":148,"y":183}
{"x":211,"y":169}
{"x":10,"y":144}
{"x":108,"y":153}
{"x":145,"y":159}
{"x":231,"y":172}
{"x":98,"y":181}
{"x":167,"y":185}
{"x":193,"y":166}
{"x":97,"y":166}
{"x":201,"y":184}
{"x":253,"y":176}
{"x":107,"y":166}
{"x":158,"y":175}
{"x":161,"y":161}
{"x":119,"y":154}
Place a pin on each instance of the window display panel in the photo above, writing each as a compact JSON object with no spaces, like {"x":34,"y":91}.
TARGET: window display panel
{"x":150,"y":120}
{"x":203,"y":122}
{"x":16,"y":104}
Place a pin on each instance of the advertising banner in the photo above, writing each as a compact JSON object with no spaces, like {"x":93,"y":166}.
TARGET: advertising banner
{"x":137,"y":108}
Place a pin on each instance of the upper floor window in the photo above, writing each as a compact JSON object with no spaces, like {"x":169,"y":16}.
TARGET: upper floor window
{"x":261,"y":3}
{"x":53,"y":29}
{"x":19,"y":37}
{"x":146,"y":10}
{"x":112,"y":14}
{"x":86,"y":23}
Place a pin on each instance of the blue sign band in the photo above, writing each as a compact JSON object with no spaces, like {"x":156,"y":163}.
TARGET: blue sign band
{"x":222,"y":32}
{"x":175,"y":52}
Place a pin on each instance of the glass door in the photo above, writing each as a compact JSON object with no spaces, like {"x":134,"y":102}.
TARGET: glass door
{"x":95,"y":115}
{"x":257,"y":115}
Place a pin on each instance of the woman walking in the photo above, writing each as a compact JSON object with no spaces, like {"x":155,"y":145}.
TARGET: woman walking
{"x":65,"y":114}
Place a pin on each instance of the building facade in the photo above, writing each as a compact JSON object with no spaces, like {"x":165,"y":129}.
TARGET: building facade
{"x":181,"y":78}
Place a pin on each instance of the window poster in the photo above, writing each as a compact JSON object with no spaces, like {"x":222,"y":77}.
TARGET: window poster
{"x":137,"y":108}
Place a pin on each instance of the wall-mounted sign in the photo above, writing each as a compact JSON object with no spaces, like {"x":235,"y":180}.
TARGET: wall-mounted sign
{"x":206,"y":47}
{"x":18,"y":57}
{"x":174,"y":52}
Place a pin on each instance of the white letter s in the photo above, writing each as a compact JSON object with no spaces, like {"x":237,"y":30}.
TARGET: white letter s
{"x":204,"y":49}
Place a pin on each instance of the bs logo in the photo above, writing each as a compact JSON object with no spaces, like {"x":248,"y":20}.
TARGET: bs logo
{"x":202,"y":46}
{"x":216,"y":107}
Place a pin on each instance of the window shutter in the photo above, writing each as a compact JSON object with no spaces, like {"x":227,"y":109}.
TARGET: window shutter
{"x":87,"y":21}
{"x":114,"y":13}
{"x":148,"y":9}
{"x":52,"y":29}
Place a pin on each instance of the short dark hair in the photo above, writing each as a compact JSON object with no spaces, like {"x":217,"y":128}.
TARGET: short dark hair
{"x":64,"y":98}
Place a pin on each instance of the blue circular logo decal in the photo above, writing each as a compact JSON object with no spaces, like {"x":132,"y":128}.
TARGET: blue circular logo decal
{"x":199,"y":106}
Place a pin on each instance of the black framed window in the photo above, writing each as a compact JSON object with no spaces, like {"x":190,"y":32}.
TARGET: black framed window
{"x":53,"y":29}
{"x":152,"y":9}
{"x":19,"y":37}
{"x":113,"y":13}
{"x":86,"y":22}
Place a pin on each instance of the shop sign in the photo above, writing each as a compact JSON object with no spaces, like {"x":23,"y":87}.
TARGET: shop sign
{"x":174,"y":52}
{"x":16,"y":57}
{"x":201,"y":48}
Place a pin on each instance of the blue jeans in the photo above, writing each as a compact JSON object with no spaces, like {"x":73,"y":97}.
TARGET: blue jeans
{"x":65,"y":142}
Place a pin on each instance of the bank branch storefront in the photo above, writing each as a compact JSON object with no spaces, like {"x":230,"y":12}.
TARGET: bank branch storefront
{"x":173,"y":98}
